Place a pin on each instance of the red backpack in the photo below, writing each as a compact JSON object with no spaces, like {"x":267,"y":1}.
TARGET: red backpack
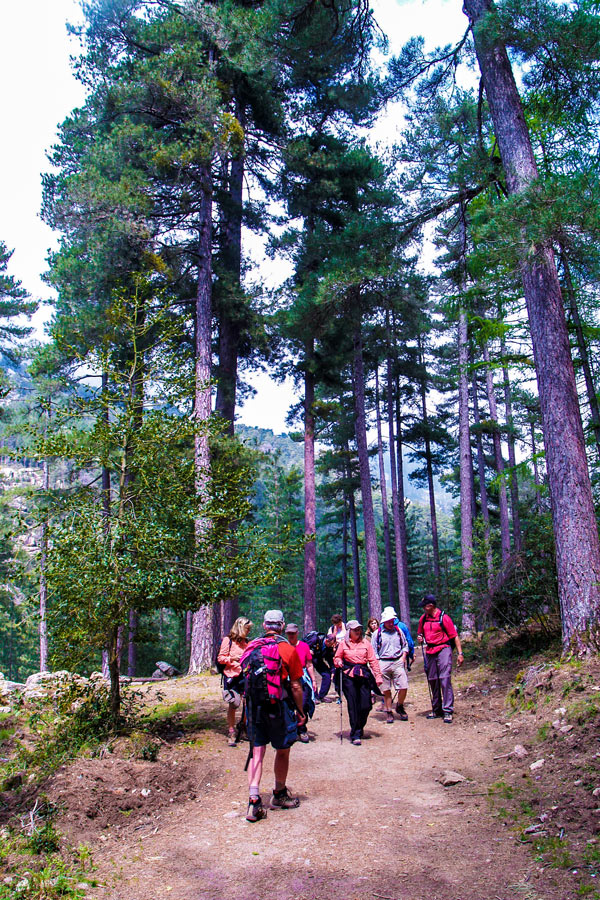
{"x":261,"y":670}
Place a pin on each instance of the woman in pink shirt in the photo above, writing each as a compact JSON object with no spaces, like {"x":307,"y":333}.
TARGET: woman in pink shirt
{"x":230,"y":653}
{"x":356,"y":658}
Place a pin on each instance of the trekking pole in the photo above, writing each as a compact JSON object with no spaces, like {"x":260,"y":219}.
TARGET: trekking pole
{"x":426,"y":678}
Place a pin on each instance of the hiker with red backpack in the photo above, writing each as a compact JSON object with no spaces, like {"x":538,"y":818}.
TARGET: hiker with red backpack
{"x":437,"y":633}
{"x":359,"y":668}
{"x":391,"y":649}
{"x":272,"y":673}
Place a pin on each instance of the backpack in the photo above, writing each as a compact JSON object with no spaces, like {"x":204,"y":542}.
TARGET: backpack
{"x":220,"y":667}
{"x":400,"y":628}
{"x":315,"y":639}
{"x":261,"y":670}
{"x":451,"y":641}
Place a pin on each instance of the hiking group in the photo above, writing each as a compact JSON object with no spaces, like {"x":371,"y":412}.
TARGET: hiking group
{"x":272,"y":678}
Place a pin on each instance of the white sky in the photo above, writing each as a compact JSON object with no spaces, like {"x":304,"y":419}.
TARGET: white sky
{"x":38,"y":92}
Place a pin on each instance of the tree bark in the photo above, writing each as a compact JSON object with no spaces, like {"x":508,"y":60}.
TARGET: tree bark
{"x":401,"y":501}
{"x":384,"y":503}
{"x":355,"y":557}
{"x":231,"y":256}
{"x":584,"y":357}
{"x":201,"y":644}
{"x":575,"y":527}
{"x":310,"y":495}
{"x":435,"y":546}
{"x":131,"y":643}
{"x":345,"y":560}
{"x":502,"y":497}
{"x":485,"y":512}
{"x":466,"y":474}
{"x":372,"y":556}
{"x":43,"y":628}
{"x":512,"y":458}
{"x":398,"y":514}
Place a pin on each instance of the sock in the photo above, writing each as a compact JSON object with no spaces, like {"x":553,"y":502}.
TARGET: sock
{"x":254,"y":790}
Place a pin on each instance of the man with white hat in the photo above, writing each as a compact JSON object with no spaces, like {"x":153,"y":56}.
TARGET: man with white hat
{"x":391,"y":649}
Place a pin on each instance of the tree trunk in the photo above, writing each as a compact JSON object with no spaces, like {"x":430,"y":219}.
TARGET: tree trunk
{"x":201,"y":644}
{"x":435,"y":546}
{"x":345,"y":560}
{"x":466,"y":474}
{"x":131,"y":644}
{"x":575,"y":527}
{"x":355,"y":556}
{"x":502,"y":498}
{"x":583,"y":350}
{"x":512,"y":458}
{"x":310,"y":495}
{"x":485,"y":512}
{"x":536,"y":472}
{"x":43,"y":628}
{"x":114,"y":655}
{"x":401,"y":502}
{"x":373,"y":585}
{"x":229,"y":317}
{"x":384,"y":503}
{"x":398,"y":514}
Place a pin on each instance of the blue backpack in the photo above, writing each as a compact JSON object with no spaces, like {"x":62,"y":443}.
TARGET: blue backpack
{"x":400,"y":626}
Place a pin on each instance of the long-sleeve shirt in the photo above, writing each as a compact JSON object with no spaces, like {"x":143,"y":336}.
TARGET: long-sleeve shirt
{"x":359,"y":653}
{"x":230,"y":653}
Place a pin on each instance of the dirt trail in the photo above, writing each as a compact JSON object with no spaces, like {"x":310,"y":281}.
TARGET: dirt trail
{"x":374,"y":821}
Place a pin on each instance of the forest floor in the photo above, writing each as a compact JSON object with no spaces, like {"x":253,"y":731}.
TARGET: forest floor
{"x":374,"y":823}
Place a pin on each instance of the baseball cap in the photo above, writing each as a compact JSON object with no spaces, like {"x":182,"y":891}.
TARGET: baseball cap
{"x":353,"y":623}
{"x":291,"y":627}
{"x":273,"y":617}
{"x":428,"y":598}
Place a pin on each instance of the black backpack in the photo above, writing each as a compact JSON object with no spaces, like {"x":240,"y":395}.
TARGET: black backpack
{"x":315,"y":639}
{"x":220,"y":667}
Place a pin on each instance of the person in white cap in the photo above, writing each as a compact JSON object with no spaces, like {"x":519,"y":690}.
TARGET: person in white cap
{"x":391,"y":649}
{"x":357,"y":660}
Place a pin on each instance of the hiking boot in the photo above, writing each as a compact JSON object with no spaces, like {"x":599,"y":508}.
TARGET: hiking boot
{"x":283,"y":800}
{"x":256,"y":810}
{"x":356,"y":741}
{"x":389,"y":719}
{"x":433,"y":715}
{"x":448,"y":718}
{"x":232,"y":738}
{"x":304,"y":737}
{"x":401,"y":712}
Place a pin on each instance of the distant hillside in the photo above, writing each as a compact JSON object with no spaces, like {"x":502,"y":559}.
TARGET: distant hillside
{"x":291,"y":453}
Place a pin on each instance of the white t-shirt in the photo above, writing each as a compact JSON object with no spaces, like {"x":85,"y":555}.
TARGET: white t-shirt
{"x":339,"y":635}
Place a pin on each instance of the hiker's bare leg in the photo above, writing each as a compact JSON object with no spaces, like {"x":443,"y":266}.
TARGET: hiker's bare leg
{"x":231,"y":716}
{"x":255,"y":770}
{"x":402,"y":696}
{"x":282,"y":764}
{"x":387,"y":699}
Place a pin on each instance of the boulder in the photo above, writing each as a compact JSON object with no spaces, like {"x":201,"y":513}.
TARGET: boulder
{"x":9,"y":687}
{"x":537,"y":765}
{"x":45,"y":678}
{"x":519,"y":751}
{"x":167,"y":669}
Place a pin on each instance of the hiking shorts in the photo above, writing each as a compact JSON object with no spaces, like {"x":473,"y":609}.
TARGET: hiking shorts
{"x":393,"y":674}
{"x":276,"y":725}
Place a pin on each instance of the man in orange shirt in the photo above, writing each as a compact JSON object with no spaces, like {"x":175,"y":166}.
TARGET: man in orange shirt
{"x":274,"y":719}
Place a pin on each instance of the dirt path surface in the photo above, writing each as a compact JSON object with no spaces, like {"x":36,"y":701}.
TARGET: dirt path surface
{"x":374,"y":821}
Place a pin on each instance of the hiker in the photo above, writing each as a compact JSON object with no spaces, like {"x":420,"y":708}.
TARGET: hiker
{"x":338,"y":629}
{"x":273,"y":690}
{"x":309,"y":683}
{"x":358,"y":664}
{"x":228,"y":663}
{"x":438,"y":633}
{"x":323,"y":655}
{"x":391,"y":649}
{"x":372,"y":626}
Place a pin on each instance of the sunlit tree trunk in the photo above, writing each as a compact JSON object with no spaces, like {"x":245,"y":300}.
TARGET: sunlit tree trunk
{"x":466,"y":473}
{"x":485,"y":512}
{"x":384,"y":503}
{"x":201,"y":644}
{"x":512,"y":456}
{"x":398,"y":515}
{"x":310,"y":496}
{"x":435,"y":546}
{"x":499,"y":461}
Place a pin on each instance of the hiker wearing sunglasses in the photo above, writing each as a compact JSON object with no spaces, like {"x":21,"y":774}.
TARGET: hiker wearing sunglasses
{"x":437,"y":633}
